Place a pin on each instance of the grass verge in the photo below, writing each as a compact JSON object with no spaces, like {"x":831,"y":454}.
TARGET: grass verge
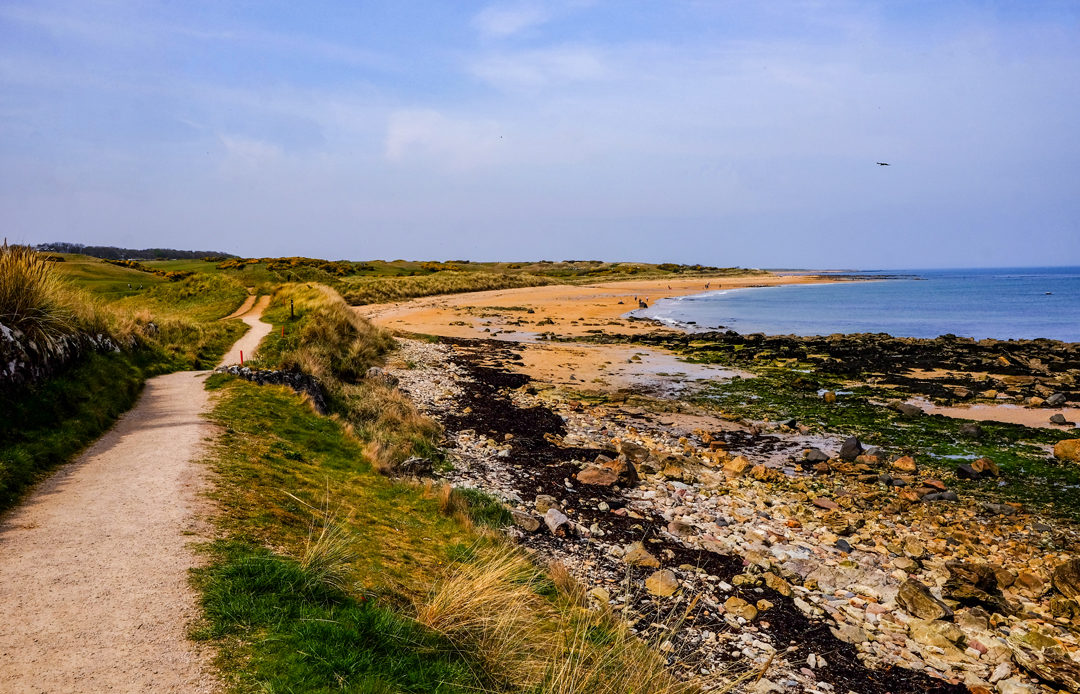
{"x":376,"y":585}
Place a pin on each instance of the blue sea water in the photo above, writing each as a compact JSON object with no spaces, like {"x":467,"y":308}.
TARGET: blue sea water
{"x":1002,"y":303}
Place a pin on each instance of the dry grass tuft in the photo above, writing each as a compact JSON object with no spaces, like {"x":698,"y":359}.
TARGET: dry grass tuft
{"x":489,"y":608}
{"x":35,"y":300}
{"x":330,"y":548}
{"x":492,"y":607}
{"x":566,"y":584}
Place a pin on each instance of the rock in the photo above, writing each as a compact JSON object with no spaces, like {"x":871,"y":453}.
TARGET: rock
{"x":934,"y":632}
{"x":1058,"y":419}
{"x":766,"y":686}
{"x":1066,"y":578}
{"x":1002,"y":671}
{"x":1056,"y":400}
{"x":913,"y":548}
{"x":986,"y":467}
{"x":904,"y":464}
{"x":525,"y":521}
{"x":849,"y":633}
{"x":908,"y":410}
{"x":970,"y":430}
{"x":600,"y":595}
{"x":778,"y":584}
{"x":999,"y":509}
{"x":1067,"y":449}
{"x":906,"y":564}
{"x":829,"y":396}
{"x":544,"y":502}
{"x":662,"y":583}
{"x":975,"y":584}
{"x":1045,"y":658}
{"x":815,"y":455}
{"x":597,"y":476}
{"x":1036,"y":401}
{"x":843,"y":545}
{"x":740,"y":608}
{"x":965,"y":471}
{"x":736,"y":467}
{"x":375,"y":373}
{"x":941,"y":496}
{"x":637,"y":555}
{"x":555,"y":520}
{"x":827,"y":504}
{"x":917,"y":600}
{"x":851,"y":449}
{"x":1014,"y":686}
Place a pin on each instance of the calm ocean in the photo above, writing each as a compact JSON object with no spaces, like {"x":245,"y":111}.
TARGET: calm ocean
{"x":1003,"y":303}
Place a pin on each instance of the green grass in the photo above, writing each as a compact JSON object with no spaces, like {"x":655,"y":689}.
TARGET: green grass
{"x":102,"y":279}
{"x":484,"y":509}
{"x":303,"y":636}
{"x":49,"y":424}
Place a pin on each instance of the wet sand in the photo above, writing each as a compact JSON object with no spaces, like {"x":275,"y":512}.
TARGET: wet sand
{"x":1012,"y":414}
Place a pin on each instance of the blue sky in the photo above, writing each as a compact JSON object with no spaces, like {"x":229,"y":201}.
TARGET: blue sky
{"x":720,"y":132}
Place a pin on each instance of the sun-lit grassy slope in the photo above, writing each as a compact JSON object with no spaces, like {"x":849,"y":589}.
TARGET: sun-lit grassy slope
{"x":376,"y":585}
{"x":103,"y":279}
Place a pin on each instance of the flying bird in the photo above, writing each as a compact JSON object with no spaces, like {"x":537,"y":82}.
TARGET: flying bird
{"x":883,"y":163}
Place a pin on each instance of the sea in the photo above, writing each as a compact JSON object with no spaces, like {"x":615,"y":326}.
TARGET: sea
{"x":1000,"y":303}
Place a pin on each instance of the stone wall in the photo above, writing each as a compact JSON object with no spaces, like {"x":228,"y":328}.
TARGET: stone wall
{"x":24,"y":360}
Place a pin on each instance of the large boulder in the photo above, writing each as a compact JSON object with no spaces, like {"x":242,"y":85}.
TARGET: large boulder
{"x":975,"y":585}
{"x":1068,"y":449}
{"x":1066,"y":578}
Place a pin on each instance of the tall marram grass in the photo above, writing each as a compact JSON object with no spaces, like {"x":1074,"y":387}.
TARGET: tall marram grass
{"x":496,"y":607}
{"x":35,"y":300}
{"x":359,"y":291}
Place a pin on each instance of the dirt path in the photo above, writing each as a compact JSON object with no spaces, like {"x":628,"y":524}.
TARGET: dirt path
{"x":94,"y":565}
{"x":252,"y":338}
{"x":244,"y":308}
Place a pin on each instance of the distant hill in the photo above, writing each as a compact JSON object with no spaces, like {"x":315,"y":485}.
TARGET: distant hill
{"x":114,"y":253}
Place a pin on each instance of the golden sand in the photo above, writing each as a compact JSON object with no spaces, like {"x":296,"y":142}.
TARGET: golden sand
{"x":569,"y":311}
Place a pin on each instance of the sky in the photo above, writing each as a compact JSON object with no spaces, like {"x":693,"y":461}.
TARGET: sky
{"x":723,"y":132}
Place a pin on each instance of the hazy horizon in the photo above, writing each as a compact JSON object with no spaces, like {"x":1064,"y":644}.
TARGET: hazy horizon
{"x":722,"y":133}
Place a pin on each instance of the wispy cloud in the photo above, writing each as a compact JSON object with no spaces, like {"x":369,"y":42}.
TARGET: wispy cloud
{"x":518,"y":70}
{"x":502,"y":20}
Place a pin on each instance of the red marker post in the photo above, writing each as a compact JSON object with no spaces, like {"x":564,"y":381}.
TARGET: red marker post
{"x":241,"y":357}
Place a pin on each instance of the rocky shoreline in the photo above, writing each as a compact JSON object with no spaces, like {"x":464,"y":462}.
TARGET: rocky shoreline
{"x":749,"y":561}
{"x":946,"y":369}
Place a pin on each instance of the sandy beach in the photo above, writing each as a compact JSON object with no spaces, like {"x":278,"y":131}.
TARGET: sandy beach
{"x":567,"y":310}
